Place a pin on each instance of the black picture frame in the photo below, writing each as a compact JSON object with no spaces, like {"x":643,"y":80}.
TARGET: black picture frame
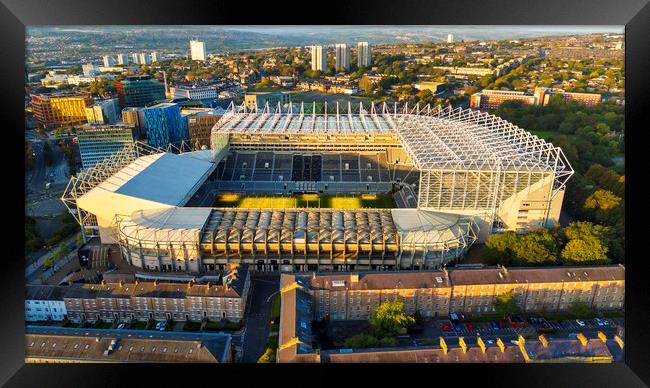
{"x":634,"y":14}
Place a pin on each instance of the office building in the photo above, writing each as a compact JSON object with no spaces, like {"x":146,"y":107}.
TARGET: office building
{"x":195,"y":92}
{"x":134,"y":117}
{"x":103,"y":112}
{"x":108,"y":60}
{"x":139,"y":91}
{"x":260,"y":99}
{"x":342,"y":57}
{"x":319,"y":58}
{"x":122,"y":59}
{"x":364,"y":54}
{"x":200,"y":127}
{"x":90,"y":70}
{"x":60,"y":109}
{"x":197,"y":50}
{"x":450,"y":38}
{"x":45,"y":303}
{"x":155,"y":56}
{"x":58,"y":345}
{"x":165,"y":125}
{"x":97,"y":142}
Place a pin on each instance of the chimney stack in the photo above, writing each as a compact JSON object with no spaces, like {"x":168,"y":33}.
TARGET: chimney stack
{"x":443,"y":345}
{"x":481,"y":344}
{"x":543,"y":340}
{"x":463,"y":345}
{"x":583,"y":339}
{"x":502,"y":347}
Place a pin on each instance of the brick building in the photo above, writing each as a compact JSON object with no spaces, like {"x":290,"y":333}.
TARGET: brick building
{"x":470,"y":291}
{"x":160,"y":301}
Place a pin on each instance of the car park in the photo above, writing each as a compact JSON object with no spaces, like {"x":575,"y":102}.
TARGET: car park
{"x":516,"y":321}
{"x":602,"y":322}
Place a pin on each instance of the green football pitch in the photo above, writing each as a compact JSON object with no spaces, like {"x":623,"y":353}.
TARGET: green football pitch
{"x":380,"y":201}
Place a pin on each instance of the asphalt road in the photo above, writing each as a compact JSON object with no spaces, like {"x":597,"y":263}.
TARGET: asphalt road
{"x":258,"y":317}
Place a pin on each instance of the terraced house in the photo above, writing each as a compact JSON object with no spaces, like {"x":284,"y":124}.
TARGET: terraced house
{"x":470,"y":291}
{"x":225,"y":299}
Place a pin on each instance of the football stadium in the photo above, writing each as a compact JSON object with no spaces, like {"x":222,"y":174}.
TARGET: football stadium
{"x":323,"y":188}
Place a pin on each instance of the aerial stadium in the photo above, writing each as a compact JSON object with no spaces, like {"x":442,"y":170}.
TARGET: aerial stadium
{"x":452,"y":176}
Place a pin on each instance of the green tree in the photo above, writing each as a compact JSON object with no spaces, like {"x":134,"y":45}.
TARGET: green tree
{"x":47,"y":263}
{"x":506,"y":305}
{"x":498,"y":248}
{"x":587,"y":244}
{"x":389,"y":318}
{"x":602,"y":200}
{"x":536,"y":247}
{"x":579,"y":309}
{"x":365,"y":340}
{"x":64,"y":249}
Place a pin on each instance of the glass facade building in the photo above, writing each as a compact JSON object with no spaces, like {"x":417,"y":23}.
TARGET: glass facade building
{"x":139,"y":91}
{"x":165,"y":125}
{"x":97,"y":142}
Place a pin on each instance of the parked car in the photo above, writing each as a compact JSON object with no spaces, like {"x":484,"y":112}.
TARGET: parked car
{"x":121,"y":326}
{"x":502,"y":325}
{"x":453,"y":317}
{"x":446,"y":328}
{"x":516,"y":322}
{"x":489,"y":342}
{"x":602,"y":322}
{"x":580,"y":322}
{"x":494,"y":326}
{"x":458,"y":327}
{"x":469,"y":326}
{"x":161,"y":326}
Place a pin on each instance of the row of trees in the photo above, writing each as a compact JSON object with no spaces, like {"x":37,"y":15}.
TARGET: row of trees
{"x":506,"y":305}
{"x":386,"y":321}
{"x":580,"y":243}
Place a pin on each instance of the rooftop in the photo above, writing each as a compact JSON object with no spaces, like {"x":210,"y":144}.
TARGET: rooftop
{"x":67,"y":346}
{"x":435,"y":138}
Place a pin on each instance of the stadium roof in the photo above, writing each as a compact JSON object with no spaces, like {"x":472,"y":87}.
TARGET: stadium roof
{"x":163,"y":179}
{"x":188,"y":225}
{"x":435,"y":138}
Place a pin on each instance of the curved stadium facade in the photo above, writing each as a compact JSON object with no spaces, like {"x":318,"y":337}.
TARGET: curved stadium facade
{"x":456,"y":176}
